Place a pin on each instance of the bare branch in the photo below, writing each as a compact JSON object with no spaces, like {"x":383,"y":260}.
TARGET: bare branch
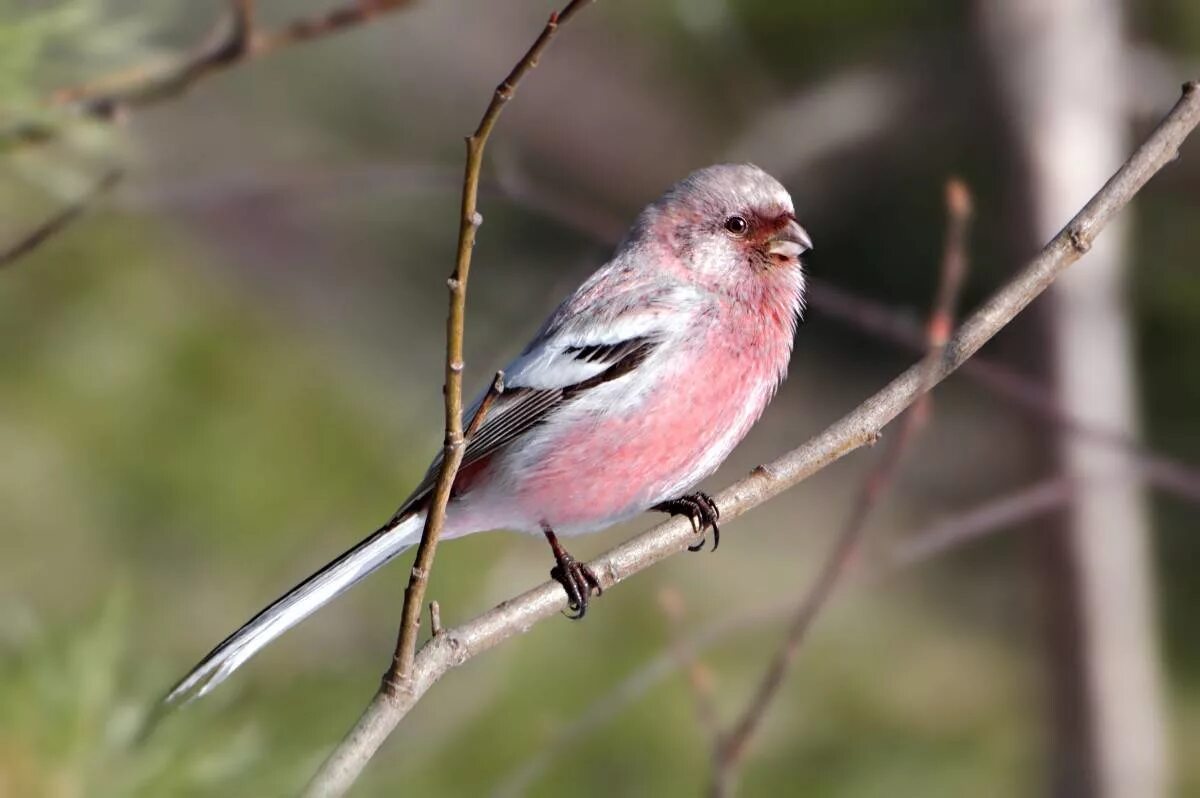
{"x":460,"y":644}
{"x":485,"y":406}
{"x":435,"y":618}
{"x":59,"y":221}
{"x":731,"y":748}
{"x":1005,"y":511}
{"x":399,"y":685}
{"x":232,"y":41}
{"x":456,"y":440}
{"x":335,"y":20}
{"x":877,"y":319}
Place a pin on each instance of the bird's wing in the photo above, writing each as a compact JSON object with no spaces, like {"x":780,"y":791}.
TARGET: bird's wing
{"x":521,"y":407}
{"x":605,"y":330}
{"x":550,"y":374}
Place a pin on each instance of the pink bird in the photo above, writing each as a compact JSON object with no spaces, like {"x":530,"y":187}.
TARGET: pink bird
{"x":636,"y":388}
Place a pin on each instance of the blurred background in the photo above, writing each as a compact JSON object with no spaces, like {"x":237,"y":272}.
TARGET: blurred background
{"x":227,"y":370}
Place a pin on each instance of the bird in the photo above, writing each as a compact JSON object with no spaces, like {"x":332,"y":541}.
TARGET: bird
{"x":632,"y":391}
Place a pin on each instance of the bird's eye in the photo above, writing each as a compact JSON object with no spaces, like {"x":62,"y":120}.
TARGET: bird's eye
{"x":737,"y":225}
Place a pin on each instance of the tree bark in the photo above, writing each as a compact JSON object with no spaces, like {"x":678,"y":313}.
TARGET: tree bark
{"x":1061,"y":69}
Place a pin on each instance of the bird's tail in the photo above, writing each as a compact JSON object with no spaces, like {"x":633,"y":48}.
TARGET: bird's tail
{"x":299,"y":602}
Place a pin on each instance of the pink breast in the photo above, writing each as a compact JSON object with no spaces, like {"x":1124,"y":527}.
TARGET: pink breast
{"x":622,"y":463}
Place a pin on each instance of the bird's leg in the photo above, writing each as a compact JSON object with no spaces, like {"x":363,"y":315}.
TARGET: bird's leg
{"x":576,"y":578}
{"x":701,"y":510}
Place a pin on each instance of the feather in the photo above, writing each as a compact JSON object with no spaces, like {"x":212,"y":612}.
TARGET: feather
{"x":297,"y":604}
{"x":519,"y":409}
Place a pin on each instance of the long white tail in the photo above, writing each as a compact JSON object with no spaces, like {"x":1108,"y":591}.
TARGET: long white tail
{"x":301,"y":601}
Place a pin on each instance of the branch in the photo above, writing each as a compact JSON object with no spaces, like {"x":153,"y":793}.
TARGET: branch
{"x":335,"y":20}
{"x":401,"y":672}
{"x":996,"y":513}
{"x":460,"y":644}
{"x":731,"y":748}
{"x":232,"y":41}
{"x":400,"y":686}
{"x":60,"y":220}
{"x":397,"y":676}
{"x":878,"y":320}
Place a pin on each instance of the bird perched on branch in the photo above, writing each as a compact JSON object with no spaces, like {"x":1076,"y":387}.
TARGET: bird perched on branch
{"x":636,"y":388}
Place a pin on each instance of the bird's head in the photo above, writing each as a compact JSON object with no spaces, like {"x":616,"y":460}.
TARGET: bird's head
{"x":727,"y":223}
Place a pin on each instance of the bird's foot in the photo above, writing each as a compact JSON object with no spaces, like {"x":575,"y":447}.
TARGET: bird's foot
{"x":701,"y":510}
{"x":577,"y":578}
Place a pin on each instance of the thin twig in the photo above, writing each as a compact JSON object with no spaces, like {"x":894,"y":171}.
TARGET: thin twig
{"x":458,"y":645}
{"x":344,"y":765}
{"x":435,"y":618}
{"x":60,"y":220}
{"x":877,"y":319}
{"x":485,"y":406}
{"x":335,"y":20}
{"x":469,"y":222}
{"x":110,"y":97}
{"x":232,"y":41}
{"x":993,"y":515}
{"x":731,"y":749}
{"x":997,"y":513}
{"x":398,"y":674}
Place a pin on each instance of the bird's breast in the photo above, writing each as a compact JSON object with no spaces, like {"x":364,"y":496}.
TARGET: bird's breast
{"x":656,"y":432}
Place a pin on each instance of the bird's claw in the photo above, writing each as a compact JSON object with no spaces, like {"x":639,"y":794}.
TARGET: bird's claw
{"x":701,"y":510}
{"x":579,"y":580}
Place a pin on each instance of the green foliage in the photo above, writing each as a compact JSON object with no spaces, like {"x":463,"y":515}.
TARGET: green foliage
{"x":77,"y":718}
{"x":44,"y":47}
{"x":27,"y":36}
{"x":145,"y":403}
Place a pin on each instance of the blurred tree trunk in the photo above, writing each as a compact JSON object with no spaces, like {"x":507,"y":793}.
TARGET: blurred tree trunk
{"x":1061,"y":70}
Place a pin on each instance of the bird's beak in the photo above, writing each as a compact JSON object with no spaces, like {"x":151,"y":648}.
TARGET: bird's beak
{"x":791,"y":241}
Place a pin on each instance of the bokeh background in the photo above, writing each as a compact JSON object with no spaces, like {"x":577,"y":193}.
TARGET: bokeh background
{"x":228,"y":371}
